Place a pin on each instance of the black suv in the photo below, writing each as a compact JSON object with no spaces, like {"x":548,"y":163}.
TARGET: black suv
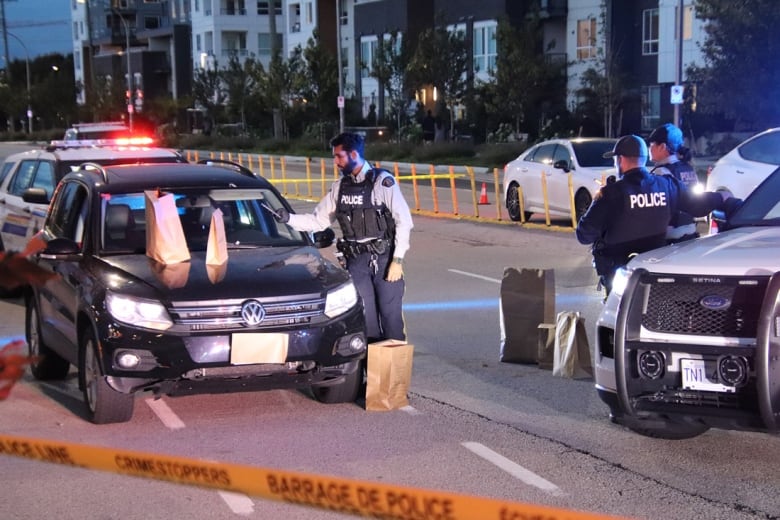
{"x":275,"y":315}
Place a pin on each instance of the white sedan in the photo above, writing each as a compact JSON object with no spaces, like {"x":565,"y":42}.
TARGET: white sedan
{"x":744,"y":167}
{"x":545,"y":168}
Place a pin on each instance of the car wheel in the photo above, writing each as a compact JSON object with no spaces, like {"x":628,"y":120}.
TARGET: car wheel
{"x":664,"y":429}
{"x":582,"y":200}
{"x":104,"y":404}
{"x":513,"y":203}
{"x":344,"y":392}
{"x":46,"y":364}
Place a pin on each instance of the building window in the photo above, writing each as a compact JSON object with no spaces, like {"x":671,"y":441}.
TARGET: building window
{"x":650,"y":31}
{"x":264,"y":8}
{"x":651,"y":106}
{"x":586,"y":39}
{"x":485,"y":47}
{"x":151,"y":22}
{"x":264,"y":43}
{"x":367,"y":51}
{"x":687,"y":22}
{"x":309,"y":13}
{"x":75,"y":30}
{"x":197,"y":42}
{"x":344,"y":16}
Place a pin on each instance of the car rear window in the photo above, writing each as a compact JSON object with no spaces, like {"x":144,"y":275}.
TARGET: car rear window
{"x":764,"y":149}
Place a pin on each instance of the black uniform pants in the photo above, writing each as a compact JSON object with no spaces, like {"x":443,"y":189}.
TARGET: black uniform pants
{"x":382,"y":300}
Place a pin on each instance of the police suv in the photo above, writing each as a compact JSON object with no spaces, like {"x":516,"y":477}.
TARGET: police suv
{"x":689,"y":337}
{"x":44,"y":167}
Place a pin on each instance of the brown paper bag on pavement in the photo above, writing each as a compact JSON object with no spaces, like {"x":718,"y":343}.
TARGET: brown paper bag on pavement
{"x":388,"y":374}
{"x":572,"y":352}
{"x":527,"y":299}
{"x":165,"y":241}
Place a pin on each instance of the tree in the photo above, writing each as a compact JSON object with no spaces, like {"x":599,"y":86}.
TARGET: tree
{"x":389,"y":67}
{"x":739,"y":77}
{"x":283,"y":87}
{"x":322,"y":76}
{"x":523,"y":80}
{"x":208,"y":92}
{"x":441,"y":59}
{"x":240,"y":81}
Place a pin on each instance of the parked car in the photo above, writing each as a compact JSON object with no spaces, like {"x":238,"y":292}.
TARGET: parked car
{"x":43,"y":168}
{"x":553,"y":161}
{"x":744,"y":167}
{"x":275,"y":315}
{"x":92,"y":131}
{"x":688,"y":338}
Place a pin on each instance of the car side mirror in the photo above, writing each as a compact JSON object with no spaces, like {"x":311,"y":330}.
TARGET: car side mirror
{"x":324,"y":238}
{"x":61,"y":246}
{"x":719,"y":218}
{"x":562,"y":164}
{"x":35,"y":196}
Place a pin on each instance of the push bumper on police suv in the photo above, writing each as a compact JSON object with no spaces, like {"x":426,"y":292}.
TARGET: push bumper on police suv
{"x":678,"y":353}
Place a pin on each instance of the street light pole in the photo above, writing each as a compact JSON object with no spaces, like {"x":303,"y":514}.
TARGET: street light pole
{"x":130,"y":107}
{"x":27,"y":69}
{"x":338,"y":65}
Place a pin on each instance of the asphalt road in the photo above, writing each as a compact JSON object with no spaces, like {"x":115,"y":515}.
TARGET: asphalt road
{"x":475,"y":425}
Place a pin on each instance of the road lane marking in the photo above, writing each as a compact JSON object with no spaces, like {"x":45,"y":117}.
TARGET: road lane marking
{"x":514,"y":469}
{"x":165,"y":414}
{"x":239,"y":503}
{"x":474,"y":275}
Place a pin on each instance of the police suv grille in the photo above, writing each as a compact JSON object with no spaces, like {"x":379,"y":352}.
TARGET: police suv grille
{"x":226,"y":314}
{"x":675,"y":304}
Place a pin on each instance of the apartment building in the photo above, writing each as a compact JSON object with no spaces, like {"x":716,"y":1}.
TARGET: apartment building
{"x":168,"y":39}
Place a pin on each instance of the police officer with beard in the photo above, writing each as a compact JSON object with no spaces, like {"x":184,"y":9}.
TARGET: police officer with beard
{"x":672,"y":158}
{"x":631,"y":214}
{"x":375,"y":225}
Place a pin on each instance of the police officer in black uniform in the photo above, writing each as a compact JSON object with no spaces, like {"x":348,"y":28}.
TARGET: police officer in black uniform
{"x":375,"y":224}
{"x":672,"y":158}
{"x":631,"y":214}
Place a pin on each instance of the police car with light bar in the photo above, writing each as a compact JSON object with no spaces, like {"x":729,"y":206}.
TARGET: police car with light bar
{"x":44,"y":167}
{"x":689,"y":337}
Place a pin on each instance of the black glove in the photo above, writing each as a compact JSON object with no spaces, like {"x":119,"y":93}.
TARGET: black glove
{"x":282,"y":215}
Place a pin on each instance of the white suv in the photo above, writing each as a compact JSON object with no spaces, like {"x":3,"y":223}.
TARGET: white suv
{"x":689,"y":337}
{"x":43,"y":168}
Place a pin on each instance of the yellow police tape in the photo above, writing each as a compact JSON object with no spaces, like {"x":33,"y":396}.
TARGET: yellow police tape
{"x":347,"y":496}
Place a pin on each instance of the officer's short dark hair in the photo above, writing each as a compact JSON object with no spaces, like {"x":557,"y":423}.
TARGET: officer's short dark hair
{"x":349,"y":141}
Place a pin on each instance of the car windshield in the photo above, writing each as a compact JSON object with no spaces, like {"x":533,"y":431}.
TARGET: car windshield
{"x":762,"y":207}
{"x":247,"y":215}
{"x":590,"y":154}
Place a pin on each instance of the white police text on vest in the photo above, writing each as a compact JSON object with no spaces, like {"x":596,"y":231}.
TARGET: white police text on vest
{"x":648,"y":200}
{"x":352,"y":200}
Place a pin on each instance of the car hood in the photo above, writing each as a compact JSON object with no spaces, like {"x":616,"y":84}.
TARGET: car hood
{"x":737,"y":252}
{"x":248,"y":273}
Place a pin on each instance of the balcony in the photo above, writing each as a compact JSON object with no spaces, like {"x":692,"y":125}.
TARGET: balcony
{"x":238,"y":53}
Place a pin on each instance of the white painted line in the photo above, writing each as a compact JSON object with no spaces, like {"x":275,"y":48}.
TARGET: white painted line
{"x":514,"y":469}
{"x":474,"y":275}
{"x":411,"y":410}
{"x":165,"y":414}
{"x":238,"y":503}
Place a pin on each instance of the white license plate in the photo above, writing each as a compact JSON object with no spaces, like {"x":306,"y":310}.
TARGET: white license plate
{"x":698,"y":375}
{"x":249,"y":348}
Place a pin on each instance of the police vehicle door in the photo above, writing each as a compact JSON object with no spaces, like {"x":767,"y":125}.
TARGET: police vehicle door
{"x":20,"y":219}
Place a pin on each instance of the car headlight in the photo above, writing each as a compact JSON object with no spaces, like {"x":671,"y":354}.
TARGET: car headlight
{"x":620,"y":280}
{"x":340,"y":300}
{"x":149,"y":314}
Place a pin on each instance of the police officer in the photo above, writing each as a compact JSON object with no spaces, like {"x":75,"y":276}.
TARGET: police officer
{"x":375,"y":225}
{"x":631,"y":214}
{"x":672,"y":158}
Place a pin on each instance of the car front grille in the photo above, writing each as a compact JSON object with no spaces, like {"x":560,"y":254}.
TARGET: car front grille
{"x":674,"y":305}
{"x":226,"y":314}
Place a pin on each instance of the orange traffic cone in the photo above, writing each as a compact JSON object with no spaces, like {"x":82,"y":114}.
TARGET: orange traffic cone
{"x":483,"y":195}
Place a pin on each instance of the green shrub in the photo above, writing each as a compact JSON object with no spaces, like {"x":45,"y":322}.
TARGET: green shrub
{"x":443,"y":152}
{"x":497,"y":155}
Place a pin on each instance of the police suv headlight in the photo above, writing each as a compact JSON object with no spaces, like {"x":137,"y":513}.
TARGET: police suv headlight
{"x":340,"y":300}
{"x":620,"y":280}
{"x":138,"y":312}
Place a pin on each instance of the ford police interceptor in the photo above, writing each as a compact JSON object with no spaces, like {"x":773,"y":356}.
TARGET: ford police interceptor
{"x":689,"y":337}
{"x":44,"y":167}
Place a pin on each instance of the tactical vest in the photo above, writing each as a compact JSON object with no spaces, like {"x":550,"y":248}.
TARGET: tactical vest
{"x":682,"y":171}
{"x":359,"y":218}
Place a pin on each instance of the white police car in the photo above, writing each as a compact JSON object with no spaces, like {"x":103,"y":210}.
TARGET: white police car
{"x":689,"y":337}
{"x":43,"y":167}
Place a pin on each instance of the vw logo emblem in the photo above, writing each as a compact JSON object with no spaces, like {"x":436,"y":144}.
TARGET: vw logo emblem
{"x":252,"y":312}
{"x":714,"y":302}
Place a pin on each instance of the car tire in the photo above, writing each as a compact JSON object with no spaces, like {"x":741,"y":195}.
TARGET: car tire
{"x":513,"y":204}
{"x":345,"y":392}
{"x":47,"y":365}
{"x":104,"y":404}
{"x":582,"y":201}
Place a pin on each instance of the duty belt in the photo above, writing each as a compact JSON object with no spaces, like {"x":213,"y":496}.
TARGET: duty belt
{"x":351,"y":249}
